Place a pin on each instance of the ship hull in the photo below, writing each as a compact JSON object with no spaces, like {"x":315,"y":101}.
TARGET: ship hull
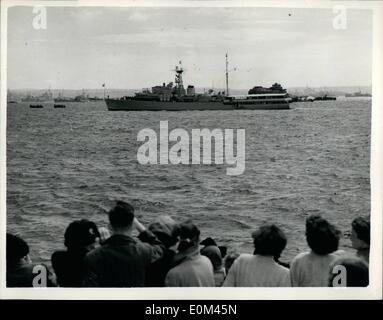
{"x":136,"y":105}
{"x":63,"y":100}
{"x":36,"y":101}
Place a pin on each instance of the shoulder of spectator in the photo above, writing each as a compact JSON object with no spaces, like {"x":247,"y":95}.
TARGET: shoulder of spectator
{"x":339,"y":252}
{"x":283,"y":268}
{"x":93,"y":254}
{"x":298,"y":257}
{"x":243,"y":257}
{"x":170,"y":279}
{"x":57,"y":256}
{"x":207,"y":261}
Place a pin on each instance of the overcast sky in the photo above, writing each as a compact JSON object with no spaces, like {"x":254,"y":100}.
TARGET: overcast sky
{"x":139,"y":47}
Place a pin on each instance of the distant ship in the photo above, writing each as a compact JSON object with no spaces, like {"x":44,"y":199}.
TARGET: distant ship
{"x":95,"y":99}
{"x":61,"y":98}
{"x":47,"y":96}
{"x":176,"y":98}
{"x":324,"y":98}
{"x":81,"y":97}
{"x":358,"y":94}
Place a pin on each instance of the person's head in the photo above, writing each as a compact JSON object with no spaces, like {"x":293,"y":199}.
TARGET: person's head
{"x":356,"y":272}
{"x":269,"y":240}
{"x":209,"y":241}
{"x":188,"y":235}
{"x":360,"y":233}
{"x":81,"y":235}
{"x":165,"y":229}
{"x":214,"y":255}
{"x":121,"y":216}
{"x":322,"y":237}
{"x":17,"y":250}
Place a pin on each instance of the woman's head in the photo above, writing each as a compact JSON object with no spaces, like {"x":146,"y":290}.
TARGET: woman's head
{"x":322,"y":237}
{"x":360,"y":233}
{"x":188,"y":235}
{"x":269,"y":240}
{"x":81,"y":234}
{"x":16,"y":250}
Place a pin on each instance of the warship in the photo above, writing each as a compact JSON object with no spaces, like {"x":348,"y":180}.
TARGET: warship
{"x":169,"y":97}
{"x":47,"y":96}
{"x":62,"y":98}
{"x":357,"y":94}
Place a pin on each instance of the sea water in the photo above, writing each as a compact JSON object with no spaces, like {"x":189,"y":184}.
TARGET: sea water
{"x":73,"y":163}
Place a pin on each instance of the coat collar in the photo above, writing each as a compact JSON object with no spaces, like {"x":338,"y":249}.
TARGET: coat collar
{"x":119,"y":238}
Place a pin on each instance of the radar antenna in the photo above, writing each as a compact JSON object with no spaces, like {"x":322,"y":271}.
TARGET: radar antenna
{"x":227,"y":76}
{"x":180,"y":90}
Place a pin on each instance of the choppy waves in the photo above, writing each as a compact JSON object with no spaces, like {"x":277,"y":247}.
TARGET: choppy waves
{"x":66,"y":164}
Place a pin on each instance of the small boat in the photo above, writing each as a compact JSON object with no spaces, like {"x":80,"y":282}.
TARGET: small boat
{"x":36,"y":106}
{"x":324,"y":98}
{"x":59,"y":106}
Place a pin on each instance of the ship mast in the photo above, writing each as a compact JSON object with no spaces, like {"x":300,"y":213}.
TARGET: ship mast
{"x":178,"y":80}
{"x":227,"y":76}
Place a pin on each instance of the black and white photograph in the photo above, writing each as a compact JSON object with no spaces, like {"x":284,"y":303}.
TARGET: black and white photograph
{"x":175,"y":145}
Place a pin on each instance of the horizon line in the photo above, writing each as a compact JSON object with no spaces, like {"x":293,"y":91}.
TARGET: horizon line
{"x":202,"y":87}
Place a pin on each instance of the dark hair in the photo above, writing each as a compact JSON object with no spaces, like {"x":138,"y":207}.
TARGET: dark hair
{"x":269,"y":240}
{"x":208,"y":242}
{"x":356,"y":271}
{"x":322,"y":237}
{"x":214,"y":255}
{"x":16,"y":248}
{"x":188,"y":233}
{"x":122,"y":215}
{"x":361,"y":225}
{"x":80,"y":234}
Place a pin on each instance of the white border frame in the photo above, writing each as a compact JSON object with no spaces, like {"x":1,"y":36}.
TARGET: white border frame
{"x":374,"y":291}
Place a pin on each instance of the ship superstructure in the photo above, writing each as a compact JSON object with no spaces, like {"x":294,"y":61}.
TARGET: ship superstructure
{"x":47,"y":96}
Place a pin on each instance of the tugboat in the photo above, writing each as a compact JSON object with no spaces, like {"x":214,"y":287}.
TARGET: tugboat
{"x":176,"y":98}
